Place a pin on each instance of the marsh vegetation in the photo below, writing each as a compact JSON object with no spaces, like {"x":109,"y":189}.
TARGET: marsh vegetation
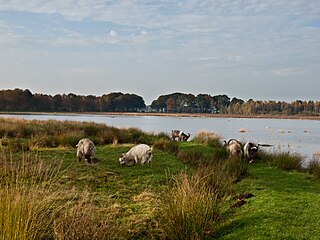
{"x":190,"y":192}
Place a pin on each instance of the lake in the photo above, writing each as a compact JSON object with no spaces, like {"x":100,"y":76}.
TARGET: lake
{"x":301,"y":136}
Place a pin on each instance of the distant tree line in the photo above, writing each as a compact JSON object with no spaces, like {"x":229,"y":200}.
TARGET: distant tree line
{"x":205,"y":103}
{"x":24,"y":100}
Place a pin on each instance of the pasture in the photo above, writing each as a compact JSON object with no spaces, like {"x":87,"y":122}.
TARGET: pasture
{"x":189,"y":192}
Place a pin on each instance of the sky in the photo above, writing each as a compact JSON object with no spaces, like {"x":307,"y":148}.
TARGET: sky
{"x":264,"y":50}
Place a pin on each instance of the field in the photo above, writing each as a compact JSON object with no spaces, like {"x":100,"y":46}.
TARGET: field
{"x":191,"y":191}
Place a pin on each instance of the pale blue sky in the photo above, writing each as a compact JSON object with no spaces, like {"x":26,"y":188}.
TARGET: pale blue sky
{"x":265,"y":50}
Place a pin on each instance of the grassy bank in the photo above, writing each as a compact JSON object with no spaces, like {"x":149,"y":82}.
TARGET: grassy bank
{"x":192,"y":190}
{"x":285,"y":205}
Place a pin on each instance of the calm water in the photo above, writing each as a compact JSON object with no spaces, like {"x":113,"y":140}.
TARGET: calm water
{"x":301,"y":136}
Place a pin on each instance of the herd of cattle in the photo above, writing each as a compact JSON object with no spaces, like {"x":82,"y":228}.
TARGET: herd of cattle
{"x":142,"y":153}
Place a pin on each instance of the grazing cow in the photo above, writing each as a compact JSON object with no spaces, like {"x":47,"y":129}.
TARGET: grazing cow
{"x":181,"y":136}
{"x":250,"y":150}
{"x":86,"y":149}
{"x":141,"y":153}
{"x":234,"y":148}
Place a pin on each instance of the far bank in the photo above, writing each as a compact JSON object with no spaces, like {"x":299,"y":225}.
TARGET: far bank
{"x":196,"y":115}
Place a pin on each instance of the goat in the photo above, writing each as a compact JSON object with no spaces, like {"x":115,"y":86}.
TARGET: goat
{"x":181,"y":136}
{"x":86,"y":149}
{"x":140,"y":153}
{"x":233,"y":146}
{"x":231,"y":141}
{"x":250,"y":150}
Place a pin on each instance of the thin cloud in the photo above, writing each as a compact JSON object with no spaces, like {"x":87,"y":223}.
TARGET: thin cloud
{"x":286,"y":72}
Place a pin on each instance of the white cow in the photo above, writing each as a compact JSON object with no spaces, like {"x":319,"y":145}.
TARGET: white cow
{"x":141,"y":153}
{"x":86,"y":149}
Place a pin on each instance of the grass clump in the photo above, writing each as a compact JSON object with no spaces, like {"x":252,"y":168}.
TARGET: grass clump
{"x":285,"y":160}
{"x":167,"y":145}
{"x":191,"y":209}
{"x":193,"y":157}
{"x":208,"y":138}
{"x":26,"y":199}
{"x":82,"y":219}
{"x":236,"y":168}
{"x":314,"y":165}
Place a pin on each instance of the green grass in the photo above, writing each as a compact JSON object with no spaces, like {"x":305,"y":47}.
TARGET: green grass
{"x":136,"y":192}
{"x":285,"y":206}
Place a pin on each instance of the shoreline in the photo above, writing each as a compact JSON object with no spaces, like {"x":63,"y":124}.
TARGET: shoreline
{"x":195,"y":115}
